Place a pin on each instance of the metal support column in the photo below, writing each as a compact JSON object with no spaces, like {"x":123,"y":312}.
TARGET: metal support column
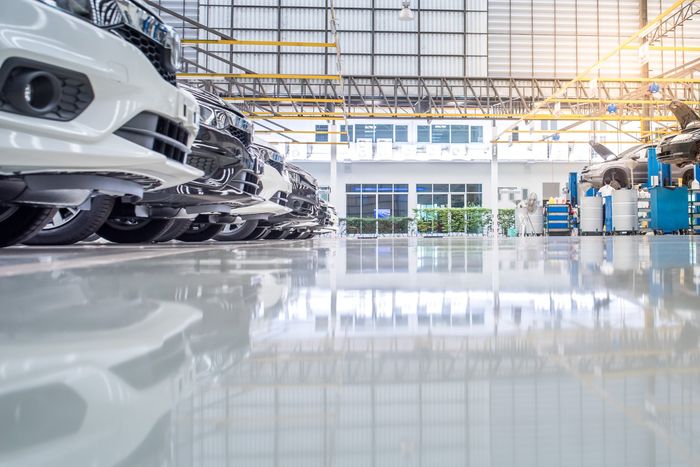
{"x":494,"y":183}
{"x":334,"y":196}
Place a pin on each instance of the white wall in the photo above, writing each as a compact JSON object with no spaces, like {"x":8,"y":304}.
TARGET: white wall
{"x":516,"y":174}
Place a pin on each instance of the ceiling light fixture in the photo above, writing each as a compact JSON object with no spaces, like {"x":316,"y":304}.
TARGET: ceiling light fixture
{"x":406,"y":13}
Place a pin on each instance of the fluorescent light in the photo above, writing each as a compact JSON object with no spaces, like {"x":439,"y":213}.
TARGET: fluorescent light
{"x":406,"y":13}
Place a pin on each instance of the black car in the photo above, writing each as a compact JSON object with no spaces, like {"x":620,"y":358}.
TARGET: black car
{"x":685,"y":147}
{"x":198,"y":210}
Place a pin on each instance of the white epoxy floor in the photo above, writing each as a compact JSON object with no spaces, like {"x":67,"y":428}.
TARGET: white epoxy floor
{"x":392,"y":352}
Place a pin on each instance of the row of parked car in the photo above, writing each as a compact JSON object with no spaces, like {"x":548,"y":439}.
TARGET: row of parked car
{"x":96,"y":137}
{"x":631,"y":166}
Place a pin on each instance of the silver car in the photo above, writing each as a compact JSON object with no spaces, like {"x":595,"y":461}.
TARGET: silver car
{"x":628,"y":168}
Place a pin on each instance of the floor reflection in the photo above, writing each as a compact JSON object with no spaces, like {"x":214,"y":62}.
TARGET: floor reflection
{"x":406,"y":352}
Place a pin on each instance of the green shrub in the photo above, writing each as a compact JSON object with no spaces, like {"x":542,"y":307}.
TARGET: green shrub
{"x":472,"y":220}
{"x":384,"y":226}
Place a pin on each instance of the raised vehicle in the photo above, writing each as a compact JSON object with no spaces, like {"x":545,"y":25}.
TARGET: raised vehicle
{"x":683,"y":148}
{"x":626,"y":169}
{"x":88,"y":107}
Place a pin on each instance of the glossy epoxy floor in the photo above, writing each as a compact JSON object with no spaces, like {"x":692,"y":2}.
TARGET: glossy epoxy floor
{"x":393,"y":352}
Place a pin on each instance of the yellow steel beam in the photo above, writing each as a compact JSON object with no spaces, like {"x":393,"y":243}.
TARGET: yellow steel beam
{"x":619,"y":101}
{"x":307,"y":132}
{"x":665,"y":48}
{"x":272,"y":43}
{"x":629,"y":80}
{"x":256,"y":76}
{"x":283,"y":99}
{"x":545,"y":141}
{"x":562,"y":131}
{"x":332,"y":116}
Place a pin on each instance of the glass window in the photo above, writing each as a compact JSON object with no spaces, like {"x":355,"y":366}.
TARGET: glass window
{"x":457,"y":188}
{"x":369,"y":204}
{"x":514,"y":136}
{"x":385,"y":188}
{"x":352,"y":203}
{"x":457,"y":201}
{"x":401,"y":188}
{"x":353,"y":188}
{"x":440,"y":201}
{"x":385,"y":206}
{"x":459,"y":134}
{"x":364,"y":133}
{"x":473,"y":199}
{"x":401,"y":133}
{"x":473,"y":187}
{"x":477,"y":134}
{"x":423,"y":187}
{"x":424,"y":201}
{"x":384,"y":132}
{"x":423,"y":133}
{"x":349,"y":131}
{"x":441,"y":188}
{"x":440,"y":134}
{"x":369,"y":188}
{"x":400,"y":205}
{"x":321,"y":137}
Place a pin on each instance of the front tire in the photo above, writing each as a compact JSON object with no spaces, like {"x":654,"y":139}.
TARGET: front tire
{"x":200,"y":232}
{"x":68,"y":225}
{"x":178,"y":228}
{"x":20,"y":223}
{"x":236,"y":233}
{"x":134,"y":229}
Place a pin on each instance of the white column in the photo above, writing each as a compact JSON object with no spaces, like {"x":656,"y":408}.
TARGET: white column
{"x":494,"y":182}
{"x":336,"y":191}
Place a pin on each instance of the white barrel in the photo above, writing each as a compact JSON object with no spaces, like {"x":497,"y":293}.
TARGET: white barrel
{"x":591,"y":214}
{"x":529,"y":223}
{"x":625,"y":213}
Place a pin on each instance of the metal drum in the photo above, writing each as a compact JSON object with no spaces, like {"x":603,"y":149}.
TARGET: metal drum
{"x":625,"y":214}
{"x":591,"y":215}
{"x":531,"y":223}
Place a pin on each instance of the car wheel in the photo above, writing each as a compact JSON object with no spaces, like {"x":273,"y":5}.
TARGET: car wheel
{"x":200,"y":232}
{"x":688,"y":177}
{"x":616,"y":178}
{"x":235,"y":233}
{"x":178,"y":228}
{"x":133,"y":229}
{"x":259,"y":233}
{"x":20,"y":223}
{"x":277,"y":234}
{"x":69,"y":225}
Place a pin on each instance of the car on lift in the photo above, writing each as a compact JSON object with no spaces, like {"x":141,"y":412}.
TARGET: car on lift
{"x":276,"y":187}
{"x":198,"y":210}
{"x":89,"y":110}
{"x":683,"y":148}
{"x":626,"y":169}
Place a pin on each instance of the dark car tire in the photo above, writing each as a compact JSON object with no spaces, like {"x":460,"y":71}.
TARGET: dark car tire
{"x":277,"y":234}
{"x":20,"y":223}
{"x":134,"y":230}
{"x":688,"y":177}
{"x":77,"y":227}
{"x":259,"y":233}
{"x":179,"y":227}
{"x":237,"y":233}
{"x":199,"y":232}
{"x":617,"y":179}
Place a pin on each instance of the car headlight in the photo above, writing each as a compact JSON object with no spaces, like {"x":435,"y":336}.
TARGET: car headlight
{"x":221,"y":120}
{"x":80,"y":8}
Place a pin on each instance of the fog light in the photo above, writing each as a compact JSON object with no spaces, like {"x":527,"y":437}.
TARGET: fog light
{"x":34,"y":92}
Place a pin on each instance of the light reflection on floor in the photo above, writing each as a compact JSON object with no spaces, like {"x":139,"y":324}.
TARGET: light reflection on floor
{"x":392,"y":352}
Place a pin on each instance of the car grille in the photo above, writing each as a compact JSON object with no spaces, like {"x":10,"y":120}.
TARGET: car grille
{"x":156,"y":53}
{"x":207,"y":165}
{"x":280,"y":198}
{"x":158,"y":134}
{"x":243,"y":136}
{"x":251,"y":185}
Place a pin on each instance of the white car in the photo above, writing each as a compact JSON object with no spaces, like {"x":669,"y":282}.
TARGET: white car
{"x":276,"y":186}
{"x":88,"y":105}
